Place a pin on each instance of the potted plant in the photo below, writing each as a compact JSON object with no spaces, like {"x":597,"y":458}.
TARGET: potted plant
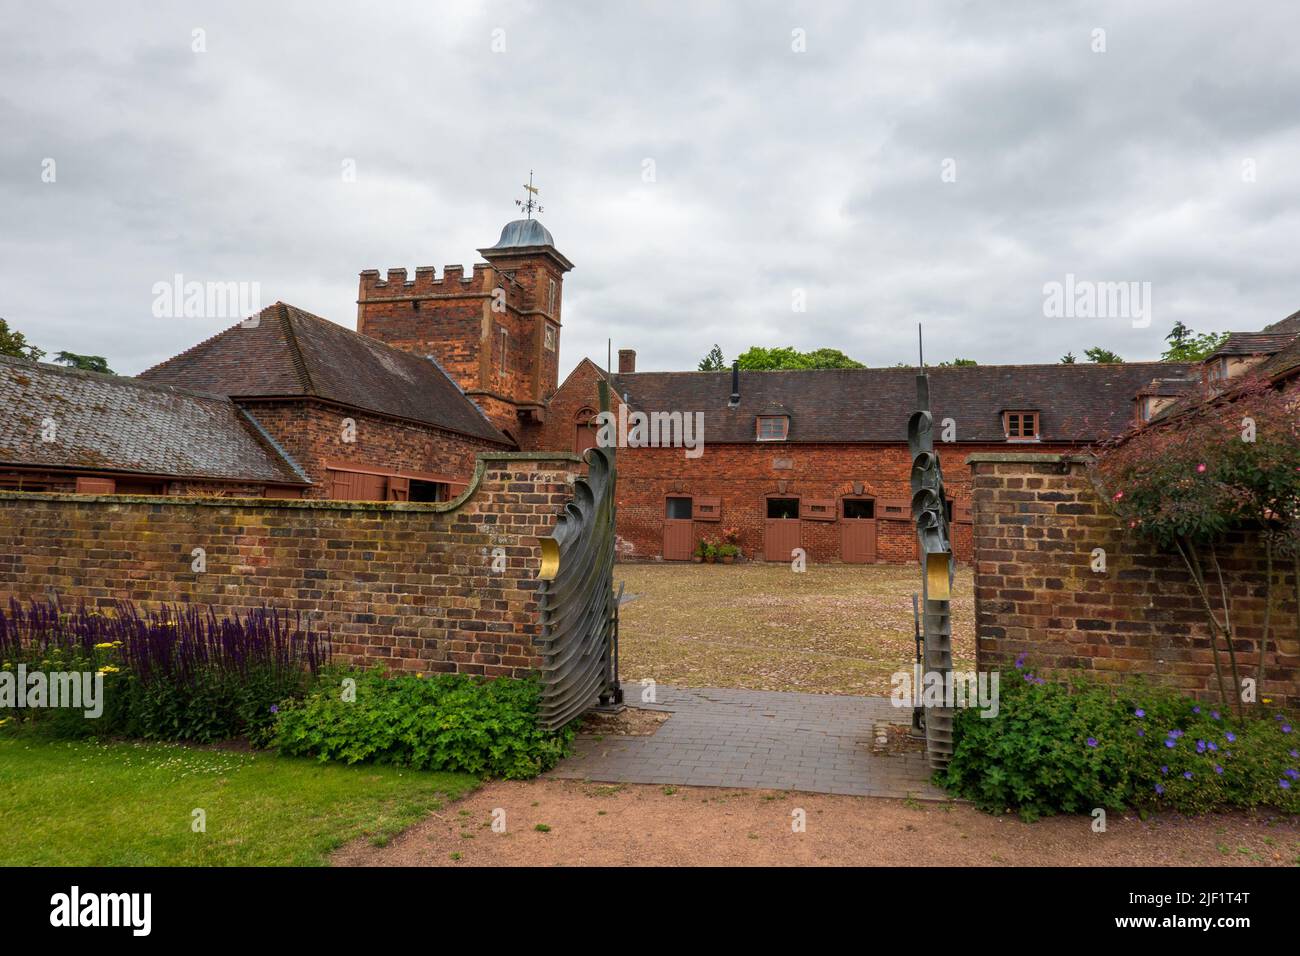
{"x":700,"y":551}
{"x":710,"y":553}
{"x":728,"y":553}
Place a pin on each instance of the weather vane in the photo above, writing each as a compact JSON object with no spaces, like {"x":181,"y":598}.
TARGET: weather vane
{"x":529,"y":204}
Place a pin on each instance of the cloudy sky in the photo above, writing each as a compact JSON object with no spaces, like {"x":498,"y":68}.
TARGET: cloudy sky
{"x":706,"y":166}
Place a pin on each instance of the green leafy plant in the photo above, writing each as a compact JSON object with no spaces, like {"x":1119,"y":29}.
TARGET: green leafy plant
{"x":1070,"y":747}
{"x":451,"y":722}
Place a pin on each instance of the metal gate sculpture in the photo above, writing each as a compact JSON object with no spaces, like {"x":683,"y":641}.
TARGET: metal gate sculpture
{"x":930,"y":515}
{"x":579,"y":611}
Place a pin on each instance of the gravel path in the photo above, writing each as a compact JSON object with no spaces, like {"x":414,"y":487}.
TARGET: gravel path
{"x":630,"y":825}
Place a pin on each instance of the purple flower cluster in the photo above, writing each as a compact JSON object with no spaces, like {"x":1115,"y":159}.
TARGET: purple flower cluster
{"x":176,"y":644}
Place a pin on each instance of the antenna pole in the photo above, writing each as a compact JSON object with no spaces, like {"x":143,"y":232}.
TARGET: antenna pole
{"x":920,"y":346}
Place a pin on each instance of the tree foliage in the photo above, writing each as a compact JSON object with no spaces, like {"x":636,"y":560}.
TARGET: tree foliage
{"x":1187,"y":346}
{"x":87,"y":363}
{"x":757,"y":358}
{"x":13,"y":343}
{"x":1102,"y":356}
{"x":714,"y":361}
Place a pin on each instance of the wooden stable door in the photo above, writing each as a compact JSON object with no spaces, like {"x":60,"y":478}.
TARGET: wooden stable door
{"x":858,"y":531}
{"x":780,"y":529}
{"x":679,"y":529}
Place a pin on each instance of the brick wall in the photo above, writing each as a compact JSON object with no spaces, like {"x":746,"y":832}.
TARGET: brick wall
{"x":407,"y":586}
{"x":743,"y":475}
{"x":577,"y":394}
{"x":311,"y":432}
{"x":1036,"y":524}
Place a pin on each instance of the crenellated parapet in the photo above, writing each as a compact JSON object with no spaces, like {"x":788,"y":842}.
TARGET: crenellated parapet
{"x":426,"y":283}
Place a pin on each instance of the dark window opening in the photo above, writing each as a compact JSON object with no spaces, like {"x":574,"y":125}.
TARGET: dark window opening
{"x":783,"y":507}
{"x":859,"y":509}
{"x":679,"y":509}
{"x":141,"y":487}
{"x":429,"y":491}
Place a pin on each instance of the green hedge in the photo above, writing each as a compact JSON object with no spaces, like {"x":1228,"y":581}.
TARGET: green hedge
{"x":1073,"y":747}
{"x":448,"y":722}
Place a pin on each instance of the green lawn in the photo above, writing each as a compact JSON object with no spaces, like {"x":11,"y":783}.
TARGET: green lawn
{"x":131,"y":804}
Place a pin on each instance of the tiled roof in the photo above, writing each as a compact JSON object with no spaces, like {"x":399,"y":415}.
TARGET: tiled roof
{"x":112,"y":423}
{"x":1077,"y":403}
{"x":1169,"y":387}
{"x":1290,"y":324}
{"x":1254,"y":343}
{"x":292,"y":353}
{"x":1284,"y":363}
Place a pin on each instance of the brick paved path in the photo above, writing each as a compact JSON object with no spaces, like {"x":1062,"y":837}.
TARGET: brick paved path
{"x":757,"y":739}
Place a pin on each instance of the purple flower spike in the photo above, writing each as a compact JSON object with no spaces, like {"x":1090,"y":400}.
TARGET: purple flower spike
{"x":1211,"y":746}
{"x":1286,"y":728}
{"x":275,"y":708}
{"x":1214,"y":714}
{"x":1292,"y":773}
{"x":1020,"y":660}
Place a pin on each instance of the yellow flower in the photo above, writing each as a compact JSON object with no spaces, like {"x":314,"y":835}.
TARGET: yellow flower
{"x":108,"y":669}
{"x":1267,"y":700}
{"x":103,"y":647}
{"x":3,"y":721}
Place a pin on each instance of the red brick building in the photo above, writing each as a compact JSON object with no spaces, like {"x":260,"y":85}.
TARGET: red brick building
{"x":363,"y":420}
{"x":818,"y":460}
{"x":444,"y":368}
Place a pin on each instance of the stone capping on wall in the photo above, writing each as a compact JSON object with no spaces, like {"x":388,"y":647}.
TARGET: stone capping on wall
{"x":315,"y":504}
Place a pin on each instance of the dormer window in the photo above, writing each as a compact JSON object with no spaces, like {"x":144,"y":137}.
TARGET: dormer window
{"x":1020,"y":425}
{"x":773,"y":427}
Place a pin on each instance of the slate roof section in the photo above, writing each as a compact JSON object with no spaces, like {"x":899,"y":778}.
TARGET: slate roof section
{"x":1169,"y":387}
{"x":290,"y":353}
{"x":1290,"y":324}
{"x":119,"y":424}
{"x":1077,"y":403}
{"x":1254,"y":343}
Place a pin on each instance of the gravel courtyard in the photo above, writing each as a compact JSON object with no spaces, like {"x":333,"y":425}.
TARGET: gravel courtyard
{"x":833,"y":629}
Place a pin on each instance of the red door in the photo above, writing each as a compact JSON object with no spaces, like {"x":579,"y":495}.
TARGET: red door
{"x":781,"y":529}
{"x":679,"y":529}
{"x":858,"y":531}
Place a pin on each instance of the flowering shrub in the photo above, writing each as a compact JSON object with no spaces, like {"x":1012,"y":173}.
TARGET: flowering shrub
{"x":451,"y":722}
{"x":175,"y":674}
{"x":1070,"y":748}
{"x":1227,"y":464}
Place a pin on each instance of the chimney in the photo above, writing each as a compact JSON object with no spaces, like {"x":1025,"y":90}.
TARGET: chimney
{"x":626,"y":361}
{"x":735,"y":383}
